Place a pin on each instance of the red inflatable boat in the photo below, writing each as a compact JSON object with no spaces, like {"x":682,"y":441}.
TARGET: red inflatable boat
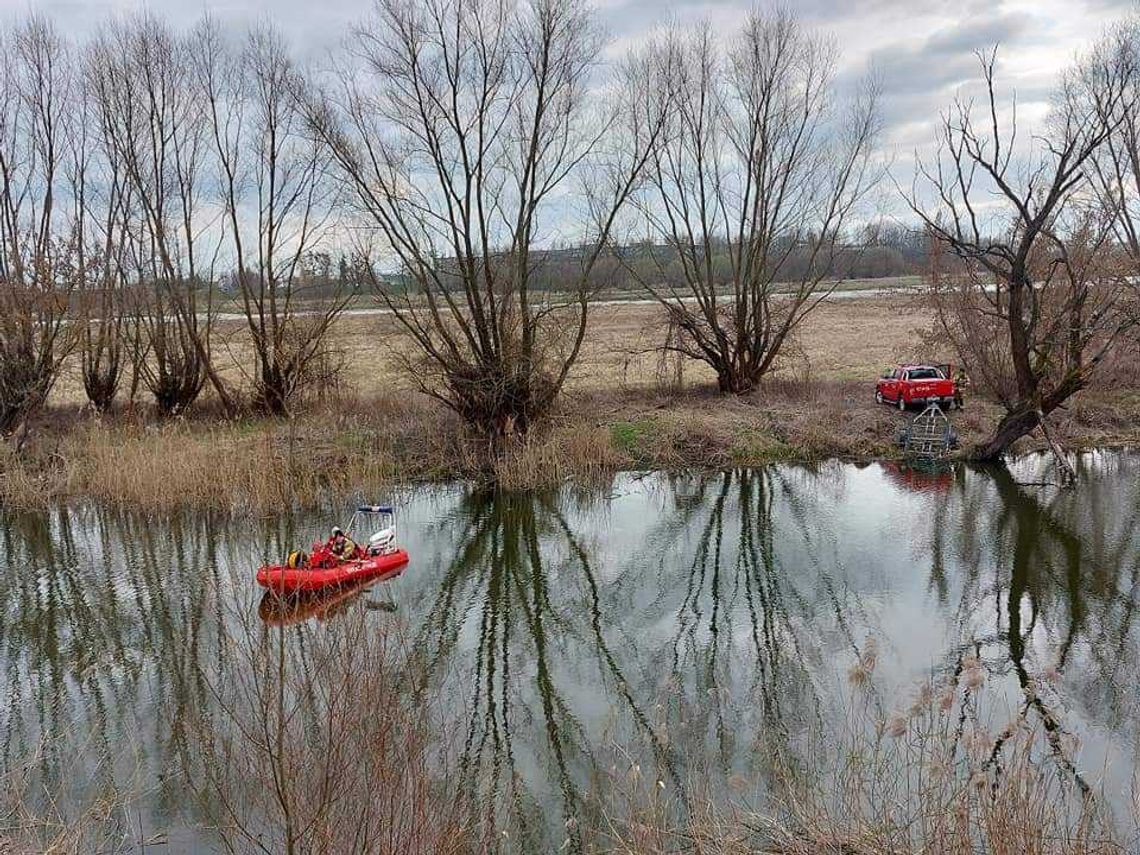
{"x":324,"y":570}
{"x":286,"y":609}
{"x":292,"y":580}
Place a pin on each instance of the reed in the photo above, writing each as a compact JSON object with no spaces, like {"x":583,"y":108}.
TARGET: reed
{"x":358,"y":445}
{"x":256,"y":465}
{"x":934,"y":777}
{"x":581,"y":452}
{"x":321,"y":742}
{"x":33,"y":821}
{"x":332,"y":739}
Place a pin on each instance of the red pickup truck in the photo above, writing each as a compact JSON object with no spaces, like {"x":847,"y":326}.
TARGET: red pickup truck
{"x":916,"y":384}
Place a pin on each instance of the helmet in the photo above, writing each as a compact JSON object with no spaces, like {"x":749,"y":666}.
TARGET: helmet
{"x":337,"y":530}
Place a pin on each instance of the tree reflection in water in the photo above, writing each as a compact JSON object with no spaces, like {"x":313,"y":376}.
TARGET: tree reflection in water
{"x":523,"y":585}
{"x":737,"y":648}
{"x":753,"y":584}
{"x":523,"y":623}
{"x":101,"y":636}
{"x":109,"y":621}
{"x":695,"y":624}
{"x":1059,"y":572}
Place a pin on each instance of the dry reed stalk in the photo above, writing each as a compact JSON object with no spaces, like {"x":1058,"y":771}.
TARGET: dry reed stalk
{"x":927,"y":780}
{"x":33,"y":821}
{"x":581,"y":452}
{"x":348,"y":445}
{"x":321,"y":741}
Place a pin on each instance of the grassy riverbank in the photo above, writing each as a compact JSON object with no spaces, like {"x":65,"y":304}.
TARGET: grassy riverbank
{"x":363,"y":445}
{"x":622,"y":410}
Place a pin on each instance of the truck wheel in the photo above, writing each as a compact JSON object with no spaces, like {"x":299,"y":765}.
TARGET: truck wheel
{"x":902,"y":403}
{"x":878,"y":397}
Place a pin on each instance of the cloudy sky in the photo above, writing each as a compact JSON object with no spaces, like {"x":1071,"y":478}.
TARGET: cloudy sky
{"x":921,"y":50}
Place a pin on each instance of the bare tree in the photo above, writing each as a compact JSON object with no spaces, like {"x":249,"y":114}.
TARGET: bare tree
{"x":154,"y":123}
{"x":38,"y":263}
{"x":1115,"y":171}
{"x":459,"y":131}
{"x":100,"y":200}
{"x":265,"y":158}
{"x":1028,"y":302}
{"x":753,"y":185}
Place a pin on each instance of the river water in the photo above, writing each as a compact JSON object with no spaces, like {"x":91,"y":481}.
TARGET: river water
{"x":680,"y":620}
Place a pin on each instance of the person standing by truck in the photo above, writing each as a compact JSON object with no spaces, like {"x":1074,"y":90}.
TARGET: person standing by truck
{"x":961,"y":382}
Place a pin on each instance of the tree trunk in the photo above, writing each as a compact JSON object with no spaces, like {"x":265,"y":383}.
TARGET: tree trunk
{"x":272,"y":392}
{"x":272,"y":401}
{"x":1016,"y":424}
{"x":733,"y":381}
{"x":1025,"y":418}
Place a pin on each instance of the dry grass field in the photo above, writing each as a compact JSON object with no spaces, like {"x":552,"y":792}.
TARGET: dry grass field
{"x":622,"y":408}
{"x":847,"y":339}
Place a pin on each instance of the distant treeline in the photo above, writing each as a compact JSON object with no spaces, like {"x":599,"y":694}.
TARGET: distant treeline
{"x":878,"y":252}
{"x":875,"y":252}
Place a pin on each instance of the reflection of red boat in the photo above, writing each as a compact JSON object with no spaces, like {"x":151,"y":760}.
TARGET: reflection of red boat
{"x":292,"y":580}
{"x":928,"y":479}
{"x":282,"y":610}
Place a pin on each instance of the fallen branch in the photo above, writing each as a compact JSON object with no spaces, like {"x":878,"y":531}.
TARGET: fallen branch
{"x":1068,"y":473}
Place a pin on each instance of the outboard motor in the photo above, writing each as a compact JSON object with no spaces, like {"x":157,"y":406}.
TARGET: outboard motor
{"x":382,"y":541}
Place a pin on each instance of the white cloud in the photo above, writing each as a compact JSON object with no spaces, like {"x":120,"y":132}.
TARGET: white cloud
{"x":921,"y":52}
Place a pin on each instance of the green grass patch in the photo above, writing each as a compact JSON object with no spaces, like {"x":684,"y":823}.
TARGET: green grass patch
{"x":632,"y":438}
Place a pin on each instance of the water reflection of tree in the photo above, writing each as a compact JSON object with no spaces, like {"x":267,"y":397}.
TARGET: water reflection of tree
{"x":1065,"y":562}
{"x":524,"y":583}
{"x":106,"y":621}
{"x":751,"y":578}
{"x":735,"y":560}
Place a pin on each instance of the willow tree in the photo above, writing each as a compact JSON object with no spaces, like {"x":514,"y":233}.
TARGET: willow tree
{"x":753,"y":184}
{"x":1115,"y":166}
{"x":153,"y":126}
{"x":277,"y":199}
{"x":38,"y":264}
{"x":1024,"y":281}
{"x":99,"y":197}
{"x":470,"y":133}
